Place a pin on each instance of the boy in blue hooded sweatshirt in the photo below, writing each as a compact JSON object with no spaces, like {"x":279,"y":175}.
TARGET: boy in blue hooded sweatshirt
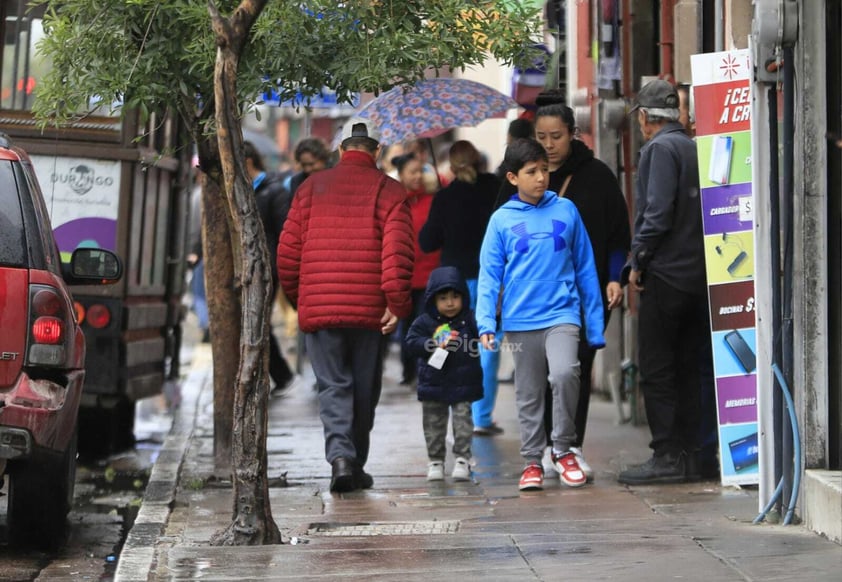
{"x":537,"y":249}
{"x":445,"y":341}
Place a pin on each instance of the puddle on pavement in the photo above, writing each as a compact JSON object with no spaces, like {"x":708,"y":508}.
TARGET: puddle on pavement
{"x":114,"y":487}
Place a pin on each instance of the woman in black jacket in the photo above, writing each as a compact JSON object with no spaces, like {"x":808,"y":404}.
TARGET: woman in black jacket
{"x":591,"y":185}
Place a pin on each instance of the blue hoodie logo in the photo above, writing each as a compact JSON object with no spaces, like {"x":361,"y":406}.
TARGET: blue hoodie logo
{"x":524,"y":236}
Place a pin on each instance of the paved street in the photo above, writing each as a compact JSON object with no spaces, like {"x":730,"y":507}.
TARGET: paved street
{"x":407,"y":529}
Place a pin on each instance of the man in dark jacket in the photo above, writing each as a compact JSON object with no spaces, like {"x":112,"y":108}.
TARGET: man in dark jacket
{"x":272,"y":203}
{"x":667,"y":268}
{"x":345,"y":260}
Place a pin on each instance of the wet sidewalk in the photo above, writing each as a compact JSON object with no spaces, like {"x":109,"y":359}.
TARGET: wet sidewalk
{"x":407,"y":529}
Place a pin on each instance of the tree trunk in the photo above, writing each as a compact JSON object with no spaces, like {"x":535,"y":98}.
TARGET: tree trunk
{"x":223,"y":306}
{"x":252,"y":516}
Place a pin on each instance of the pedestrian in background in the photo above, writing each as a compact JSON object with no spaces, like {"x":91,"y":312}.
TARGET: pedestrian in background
{"x":432,"y":178}
{"x":195,"y":260}
{"x":345,"y":261}
{"x":410,"y":173}
{"x":445,"y":344}
{"x":686,"y":110}
{"x":311,"y":155}
{"x":273,"y":204}
{"x":537,"y":250}
{"x":519,"y":128}
{"x":667,"y":268}
{"x":576,"y":174}
{"x":456,"y":225}
{"x":387,"y":155}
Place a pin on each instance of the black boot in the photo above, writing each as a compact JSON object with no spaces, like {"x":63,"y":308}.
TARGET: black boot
{"x":342,"y":476}
{"x":362,"y":479}
{"x":662,"y":469}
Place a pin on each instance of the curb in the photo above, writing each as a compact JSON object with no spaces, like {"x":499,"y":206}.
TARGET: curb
{"x":137,"y":558}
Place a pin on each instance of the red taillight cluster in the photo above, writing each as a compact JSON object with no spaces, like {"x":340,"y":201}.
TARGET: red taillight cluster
{"x":97,"y":315}
{"x":48,"y":320}
{"x":47,"y":312}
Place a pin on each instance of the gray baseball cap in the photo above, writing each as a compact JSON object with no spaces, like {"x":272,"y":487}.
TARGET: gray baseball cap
{"x":360,"y":127}
{"x":657,"y":94}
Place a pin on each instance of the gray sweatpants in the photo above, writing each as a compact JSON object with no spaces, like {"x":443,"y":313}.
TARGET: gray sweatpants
{"x":540,"y":355}
{"x":348,"y":364}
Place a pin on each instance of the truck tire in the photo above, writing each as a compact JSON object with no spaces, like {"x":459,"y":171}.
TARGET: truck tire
{"x":40,"y":497}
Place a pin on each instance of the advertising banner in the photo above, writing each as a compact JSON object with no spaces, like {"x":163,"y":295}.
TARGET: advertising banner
{"x":722,"y":97}
{"x":82,"y":197}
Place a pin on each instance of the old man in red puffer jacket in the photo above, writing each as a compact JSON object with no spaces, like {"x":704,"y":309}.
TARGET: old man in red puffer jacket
{"x":345,"y":260}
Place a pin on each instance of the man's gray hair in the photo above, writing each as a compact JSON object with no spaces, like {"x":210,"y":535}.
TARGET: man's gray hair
{"x":657,"y":114}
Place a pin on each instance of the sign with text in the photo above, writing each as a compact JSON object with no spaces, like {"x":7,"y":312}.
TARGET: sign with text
{"x":722,"y":94}
{"x":82,"y":196}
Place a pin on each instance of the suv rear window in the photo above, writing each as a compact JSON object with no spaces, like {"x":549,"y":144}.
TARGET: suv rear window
{"x":12,"y":235}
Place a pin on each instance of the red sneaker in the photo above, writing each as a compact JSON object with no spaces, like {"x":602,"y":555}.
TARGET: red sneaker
{"x":532,"y":478}
{"x":568,"y":468}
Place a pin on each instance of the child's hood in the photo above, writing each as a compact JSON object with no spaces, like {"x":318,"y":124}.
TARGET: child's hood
{"x":515,"y":203}
{"x":445,"y":278}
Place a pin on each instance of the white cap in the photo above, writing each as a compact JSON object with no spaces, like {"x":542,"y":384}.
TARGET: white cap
{"x":360,"y":127}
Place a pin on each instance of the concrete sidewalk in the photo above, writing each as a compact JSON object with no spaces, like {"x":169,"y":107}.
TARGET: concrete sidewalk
{"x":407,"y":529}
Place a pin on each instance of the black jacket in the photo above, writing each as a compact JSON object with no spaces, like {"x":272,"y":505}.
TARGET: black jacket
{"x":273,"y":202}
{"x":460,"y":379}
{"x":596,"y":193}
{"x":668,"y":237}
{"x":457,"y":221}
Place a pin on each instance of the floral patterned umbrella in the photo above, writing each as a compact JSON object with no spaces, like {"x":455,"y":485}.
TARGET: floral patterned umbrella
{"x":432,"y":107}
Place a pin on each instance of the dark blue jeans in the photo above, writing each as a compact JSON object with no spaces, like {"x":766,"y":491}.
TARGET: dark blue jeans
{"x":672,"y":324}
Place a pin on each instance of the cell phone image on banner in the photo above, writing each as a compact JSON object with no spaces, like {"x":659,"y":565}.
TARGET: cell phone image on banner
{"x":734,"y":352}
{"x":744,"y":452}
{"x":719,"y":169}
{"x":741,"y":350}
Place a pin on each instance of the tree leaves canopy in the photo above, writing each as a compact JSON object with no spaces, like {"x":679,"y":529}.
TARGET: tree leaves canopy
{"x":151,"y":54}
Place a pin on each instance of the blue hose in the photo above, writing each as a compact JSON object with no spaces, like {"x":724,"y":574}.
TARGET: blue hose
{"x":774,"y":499}
{"x":796,"y":444}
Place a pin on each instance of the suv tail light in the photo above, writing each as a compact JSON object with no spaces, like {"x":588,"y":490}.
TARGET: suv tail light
{"x":48,"y":330}
{"x":47,"y":327}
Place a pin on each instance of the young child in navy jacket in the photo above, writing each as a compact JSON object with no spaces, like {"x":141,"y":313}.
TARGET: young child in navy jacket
{"x":445,"y":341}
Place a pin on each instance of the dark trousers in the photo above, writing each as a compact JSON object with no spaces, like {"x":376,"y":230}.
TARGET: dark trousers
{"x":279,"y":369}
{"x":348,"y":363}
{"x":409,"y":363}
{"x":672,"y":324}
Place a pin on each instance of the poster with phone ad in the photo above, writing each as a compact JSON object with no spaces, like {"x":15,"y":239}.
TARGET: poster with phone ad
{"x":722,"y":98}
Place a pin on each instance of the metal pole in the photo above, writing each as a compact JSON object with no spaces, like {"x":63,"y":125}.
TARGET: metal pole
{"x":718,"y":26}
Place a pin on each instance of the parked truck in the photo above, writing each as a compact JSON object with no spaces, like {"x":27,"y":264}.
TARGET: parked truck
{"x":121,"y":184}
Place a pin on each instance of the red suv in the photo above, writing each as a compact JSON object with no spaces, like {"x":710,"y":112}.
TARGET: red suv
{"x":42,"y":355}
